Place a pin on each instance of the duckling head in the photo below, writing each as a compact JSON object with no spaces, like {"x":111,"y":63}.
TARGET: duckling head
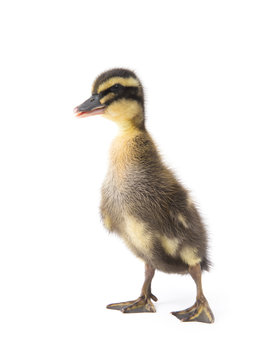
{"x":118,"y":95}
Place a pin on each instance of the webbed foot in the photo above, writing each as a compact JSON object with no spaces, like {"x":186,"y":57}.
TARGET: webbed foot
{"x":200,"y":311}
{"x":142,"y":304}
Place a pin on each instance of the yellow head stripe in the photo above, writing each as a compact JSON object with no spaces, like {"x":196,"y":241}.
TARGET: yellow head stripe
{"x":107,"y":97}
{"x":118,"y":80}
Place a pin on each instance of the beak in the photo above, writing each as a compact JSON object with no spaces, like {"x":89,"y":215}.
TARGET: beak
{"x":92,"y":106}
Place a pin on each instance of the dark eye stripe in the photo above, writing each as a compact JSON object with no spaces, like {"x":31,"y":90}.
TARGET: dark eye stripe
{"x":127,"y":92}
{"x":105,"y":92}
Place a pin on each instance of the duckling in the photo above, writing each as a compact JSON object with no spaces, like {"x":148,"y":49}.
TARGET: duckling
{"x":142,"y":201}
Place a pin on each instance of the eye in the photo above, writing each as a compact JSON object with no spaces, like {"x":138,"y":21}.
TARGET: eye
{"x":116,"y":87}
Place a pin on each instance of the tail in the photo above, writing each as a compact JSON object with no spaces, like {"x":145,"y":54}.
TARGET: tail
{"x":206,"y":264}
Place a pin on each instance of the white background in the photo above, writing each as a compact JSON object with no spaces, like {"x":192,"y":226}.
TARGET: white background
{"x":199,"y":63}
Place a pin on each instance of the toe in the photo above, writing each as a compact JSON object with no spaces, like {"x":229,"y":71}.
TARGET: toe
{"x":120,"y":306}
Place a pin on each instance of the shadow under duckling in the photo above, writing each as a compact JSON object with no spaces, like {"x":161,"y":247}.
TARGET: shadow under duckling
{"x":142,"y":201}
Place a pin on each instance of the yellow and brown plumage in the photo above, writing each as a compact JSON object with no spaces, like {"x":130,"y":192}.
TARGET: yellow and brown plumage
{"x":142,"y":201}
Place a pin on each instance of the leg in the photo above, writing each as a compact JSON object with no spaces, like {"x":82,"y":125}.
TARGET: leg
{"x":143,"y":303}
{"x":200,"y":311}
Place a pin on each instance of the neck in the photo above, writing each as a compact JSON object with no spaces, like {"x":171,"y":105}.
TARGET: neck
{"x":128,"y":127}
